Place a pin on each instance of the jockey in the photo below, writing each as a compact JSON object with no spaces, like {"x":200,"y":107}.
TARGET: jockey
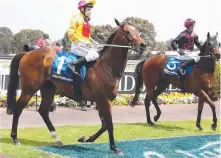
{"x":43,"y":41}
{"x":79,"y":33}
{"x":186,"y":41}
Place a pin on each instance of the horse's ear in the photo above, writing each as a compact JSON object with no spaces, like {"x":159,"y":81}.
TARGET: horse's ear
{"x":117,"y":22}
{"x":216,"y":34}
{"x":208,"y":35}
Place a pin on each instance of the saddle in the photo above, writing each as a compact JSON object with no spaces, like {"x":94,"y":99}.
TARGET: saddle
{"x":171,"y":66}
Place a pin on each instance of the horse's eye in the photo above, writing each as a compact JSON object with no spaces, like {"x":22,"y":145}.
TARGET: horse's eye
{"x":209,"y":44}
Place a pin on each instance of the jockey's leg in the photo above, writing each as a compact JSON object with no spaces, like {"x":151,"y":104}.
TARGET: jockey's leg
{"x":73,"y":64}
{"x":78,"y":50}
{"x":189,"y":62}
{"x":87,"y":55}
{"x":91,"y":56}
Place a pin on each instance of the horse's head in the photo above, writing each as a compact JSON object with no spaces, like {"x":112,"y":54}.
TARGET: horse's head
{"x":211,"y":47}
{"x":131,"y":36}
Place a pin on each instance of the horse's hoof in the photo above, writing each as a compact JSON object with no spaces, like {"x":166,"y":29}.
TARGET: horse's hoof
{"x":151,"y":123}
{"x":16,"y":142}
{"x":58,"y":143}
{"x":213,"y":127}
{"x":200,"y":128}
{"x":82,"y":139}
{"x":9,"y":112}
{"x":156,"y":118}
{"x":83,"y":109}
{"x":118,"y":152}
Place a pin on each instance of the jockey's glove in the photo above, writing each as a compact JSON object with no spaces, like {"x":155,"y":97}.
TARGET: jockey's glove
{"x":180,"y":51}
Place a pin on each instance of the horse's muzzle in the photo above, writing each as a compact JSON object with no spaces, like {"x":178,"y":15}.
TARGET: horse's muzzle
{"x":217,"y":56}
{"x":143,"y":48}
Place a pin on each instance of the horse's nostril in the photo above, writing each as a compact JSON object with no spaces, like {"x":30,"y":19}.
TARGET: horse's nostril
{"x":143,"y":46}
{"x":217,"y":56}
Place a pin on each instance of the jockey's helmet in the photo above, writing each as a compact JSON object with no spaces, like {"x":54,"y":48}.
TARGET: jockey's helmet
{"x":188,"y":22}
{"x":46,"y":36}
{"x":86,"y":3}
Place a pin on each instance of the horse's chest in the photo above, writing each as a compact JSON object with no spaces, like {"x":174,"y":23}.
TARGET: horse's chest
{"x":207,"y":80}
{"x":100,"y":85}
{"x":109,"y":88}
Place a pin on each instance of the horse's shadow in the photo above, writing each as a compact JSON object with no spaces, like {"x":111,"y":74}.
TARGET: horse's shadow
{"x":77,"y":148}
{"x":26,"y":142}
{"x":41,"y":144}
{"x":160,"y":126}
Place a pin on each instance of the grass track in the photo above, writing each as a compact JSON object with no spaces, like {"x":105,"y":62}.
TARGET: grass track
{"x":30,"y":137}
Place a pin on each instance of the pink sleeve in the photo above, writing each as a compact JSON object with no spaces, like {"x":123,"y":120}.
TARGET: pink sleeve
{"x":40,"y":43}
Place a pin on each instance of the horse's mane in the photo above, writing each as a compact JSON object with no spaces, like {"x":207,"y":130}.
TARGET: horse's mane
{"x":202,"y":49}
{"x":210,"y":62}
{"x":111,"y":37}
{"x":109,"y":41}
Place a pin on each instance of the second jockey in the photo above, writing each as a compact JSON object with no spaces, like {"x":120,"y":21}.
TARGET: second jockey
{"x":184,"y":44}
{"x":79,"y":33}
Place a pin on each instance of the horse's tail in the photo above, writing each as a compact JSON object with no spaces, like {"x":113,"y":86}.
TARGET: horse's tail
{"x":138,"y":81}
{"x":13,"y":82}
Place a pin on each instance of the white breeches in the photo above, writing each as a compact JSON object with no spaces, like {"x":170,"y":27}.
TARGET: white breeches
{"x":190,"y":55}
{"x":89,"y":53}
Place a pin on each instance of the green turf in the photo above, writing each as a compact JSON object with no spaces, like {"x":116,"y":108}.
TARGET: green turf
{"x":30,"y":137}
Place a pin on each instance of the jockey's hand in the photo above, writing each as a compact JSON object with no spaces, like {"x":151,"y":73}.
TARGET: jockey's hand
{"x":92,"y":46}
{"x":85,"y":43}
{"x":93,"y":41}
{"x":89,"y":45}
{"x":180,"y":51}
{"x":97,"y":47}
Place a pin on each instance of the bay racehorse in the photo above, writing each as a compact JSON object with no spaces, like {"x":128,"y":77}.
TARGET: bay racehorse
{"x":100,"y":84}
{"x":199,"y":81}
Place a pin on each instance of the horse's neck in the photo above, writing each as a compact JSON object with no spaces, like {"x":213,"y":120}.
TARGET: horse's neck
{"x":206,"y":63}
{"x":116,"y":58}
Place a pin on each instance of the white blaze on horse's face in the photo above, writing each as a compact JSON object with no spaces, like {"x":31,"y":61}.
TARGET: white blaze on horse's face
{"x":133,"y":35}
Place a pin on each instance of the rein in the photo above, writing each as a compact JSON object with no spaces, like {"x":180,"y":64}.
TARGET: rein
{"x":205,"y":56}
{"x":110,"y":45}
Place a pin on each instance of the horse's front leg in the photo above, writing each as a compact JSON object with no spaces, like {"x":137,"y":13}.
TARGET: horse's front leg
{"x":200,"y":109}
{"x":104,"y":109}
{"x":109,"y":125}
{"x":98,"y":133}
{"x":213,"y":107}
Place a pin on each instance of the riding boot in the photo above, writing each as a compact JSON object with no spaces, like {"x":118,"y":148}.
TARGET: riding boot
{"x":183,"y":66}
{"x":77,"y":82}
{"x":73,"y":64}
